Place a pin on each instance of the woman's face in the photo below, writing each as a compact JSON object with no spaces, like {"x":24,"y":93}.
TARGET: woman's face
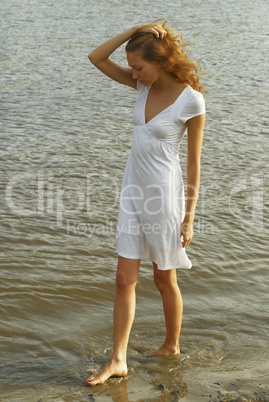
{"x":143,"y":71}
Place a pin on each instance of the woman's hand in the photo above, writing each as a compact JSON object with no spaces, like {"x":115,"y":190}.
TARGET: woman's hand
{"x":157,"y":29}
{"x":186,"y":233}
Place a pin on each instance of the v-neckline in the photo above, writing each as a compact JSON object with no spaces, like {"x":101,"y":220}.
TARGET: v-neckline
{"x":156,"y":115}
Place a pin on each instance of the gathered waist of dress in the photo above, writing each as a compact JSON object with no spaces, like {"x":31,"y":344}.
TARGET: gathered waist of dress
{"x":146,"y":143}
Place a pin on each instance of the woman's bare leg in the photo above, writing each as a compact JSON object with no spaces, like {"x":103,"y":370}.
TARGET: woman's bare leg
{"x":124,"y":311}
{"x":166,"y":283}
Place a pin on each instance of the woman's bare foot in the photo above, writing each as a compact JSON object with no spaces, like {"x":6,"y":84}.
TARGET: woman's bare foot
{"x":164,"y":350}
{"x":111,"y":370}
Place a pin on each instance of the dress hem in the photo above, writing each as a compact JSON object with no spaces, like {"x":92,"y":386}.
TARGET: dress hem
{"x":160,"y":268}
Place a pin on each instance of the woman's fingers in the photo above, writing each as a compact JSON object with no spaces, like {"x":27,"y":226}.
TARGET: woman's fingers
{"x":186,"y":234}
{"x":157,"y":30}
{"x":185,"y":242}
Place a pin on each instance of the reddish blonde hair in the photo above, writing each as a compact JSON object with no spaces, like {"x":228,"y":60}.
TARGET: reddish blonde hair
{"x":169,"y":53}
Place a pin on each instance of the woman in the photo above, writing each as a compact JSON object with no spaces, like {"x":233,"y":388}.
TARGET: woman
{"x":153,"y":220}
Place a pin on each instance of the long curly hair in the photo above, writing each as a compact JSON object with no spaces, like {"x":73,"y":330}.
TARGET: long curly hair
{"x":169,"y":52}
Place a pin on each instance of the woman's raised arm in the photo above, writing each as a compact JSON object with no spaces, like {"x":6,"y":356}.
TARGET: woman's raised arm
{"x":99,"y":57}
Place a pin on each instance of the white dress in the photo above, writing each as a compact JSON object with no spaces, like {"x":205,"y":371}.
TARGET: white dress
{"x":152,"y":203}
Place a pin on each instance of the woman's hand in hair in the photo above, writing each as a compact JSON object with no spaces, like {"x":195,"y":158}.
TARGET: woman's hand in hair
{"x":157,"y":29}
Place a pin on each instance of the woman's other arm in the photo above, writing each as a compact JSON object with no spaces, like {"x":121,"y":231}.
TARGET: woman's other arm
{"x":195,"y":137}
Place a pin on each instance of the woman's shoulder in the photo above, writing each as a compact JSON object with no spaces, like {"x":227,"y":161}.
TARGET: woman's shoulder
{"x":195,"y":98}
{"x":195,"y":94}
{"x":193,"y":104}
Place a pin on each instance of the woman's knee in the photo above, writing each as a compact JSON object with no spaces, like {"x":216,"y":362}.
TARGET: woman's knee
{"x":160,"y":285}
{"x":123,"y":280}
{"x":165,"y":280}
{"x":127,"y":273}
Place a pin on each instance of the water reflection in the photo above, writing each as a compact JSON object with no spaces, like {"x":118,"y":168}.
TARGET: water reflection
{"x":157,"y":380}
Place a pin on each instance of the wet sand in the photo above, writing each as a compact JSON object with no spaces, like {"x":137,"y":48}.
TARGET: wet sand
{"x":237,"y":386}
{"x":210,"y":387}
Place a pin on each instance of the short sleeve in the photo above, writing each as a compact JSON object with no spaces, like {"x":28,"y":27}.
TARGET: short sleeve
{"x":194,"y":106}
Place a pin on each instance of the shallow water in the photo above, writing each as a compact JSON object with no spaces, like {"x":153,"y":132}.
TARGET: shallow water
{"x":65,"y":137}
